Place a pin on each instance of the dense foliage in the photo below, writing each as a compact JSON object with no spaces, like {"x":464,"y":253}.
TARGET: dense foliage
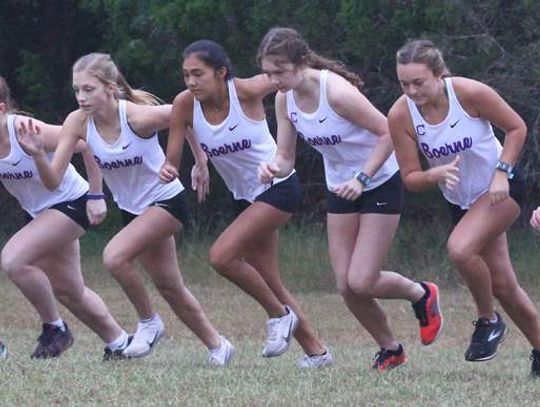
{"x":495,"y":41}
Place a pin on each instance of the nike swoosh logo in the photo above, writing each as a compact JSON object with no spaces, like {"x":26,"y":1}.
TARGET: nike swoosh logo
{"x":126,"y":146}
{"x":231,"y":128}
{"x":493,"y":335}
{"x":381,"y":203}
{"x":452,"y":125}
{"x":17,"y":163}
{"x":322,"y":120}
{"x":71,"y":207}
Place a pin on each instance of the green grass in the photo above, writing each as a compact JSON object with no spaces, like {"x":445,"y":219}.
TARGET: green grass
{"x":176,"y":373}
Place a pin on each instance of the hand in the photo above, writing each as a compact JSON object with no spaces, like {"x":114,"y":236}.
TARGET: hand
{"x":267,"y":172}
{"x":96,"y":210}
{"x":200,"y":181}
{"x":29,"y":136}
{"x":499,"y":189}
{"x":168,"y":173}
{"x":350,"y":190}
{"x":447,"y":173}
{"x":535,"y":219}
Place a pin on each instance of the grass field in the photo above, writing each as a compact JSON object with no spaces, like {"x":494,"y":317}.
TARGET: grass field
{"x":176,"y":373}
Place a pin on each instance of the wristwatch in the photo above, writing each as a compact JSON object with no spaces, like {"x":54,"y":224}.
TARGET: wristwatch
{"x":505,"y":167}
{"x":363,"y":178}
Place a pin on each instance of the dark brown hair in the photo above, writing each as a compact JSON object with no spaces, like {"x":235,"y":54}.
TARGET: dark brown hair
{"x":288,"y":44}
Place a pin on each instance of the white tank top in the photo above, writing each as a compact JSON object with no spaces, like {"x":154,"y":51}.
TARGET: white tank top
{"x":345,"y":146}
{"x":236,"y":147}
{"x":131,"y":166}
{"x":20,"y":177}
{"x":459,"y":133}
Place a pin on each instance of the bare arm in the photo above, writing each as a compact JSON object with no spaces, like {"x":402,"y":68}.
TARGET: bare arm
{"x":482,"y":101}
{"x":405,"y":143}
{"x":351,"y":104}
{"x":180,"y":120}
{"x":283,"y":163}
{"x":31,"y":139}
{"x":146,"y":120}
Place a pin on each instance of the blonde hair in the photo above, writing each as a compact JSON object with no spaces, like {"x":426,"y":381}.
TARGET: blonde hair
{"x":288,"y":44}
{"x":423,"y":52}
{"x":105,"y":70}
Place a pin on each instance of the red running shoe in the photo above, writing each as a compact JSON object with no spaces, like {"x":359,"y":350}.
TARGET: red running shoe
{"x":386,"y":359}
{"x":428,"y":313}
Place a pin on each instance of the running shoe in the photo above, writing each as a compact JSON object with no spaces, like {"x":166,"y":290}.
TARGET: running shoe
{"x":279,"y":333}
{"x":52,"y":342}
{"x":146,"y":337}
{"x":428,"y":313}
{"x":222,"y":355}
{"x":486,"y":338}
{"x":386,"y":359}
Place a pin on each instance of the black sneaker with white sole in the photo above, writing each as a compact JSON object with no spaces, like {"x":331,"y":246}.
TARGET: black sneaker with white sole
{"x":52,"y":342}
{"x":117,"y":354}
{"x":486,"y":338}
{"x":535,"y":368}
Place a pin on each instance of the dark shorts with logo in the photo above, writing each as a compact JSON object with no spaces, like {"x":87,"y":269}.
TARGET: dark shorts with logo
{"x":285,"y":196}
{"x":517,"y":193}
{"x":385,"y":199}
{"x":177,"y":206}
{"x":75,"y":210}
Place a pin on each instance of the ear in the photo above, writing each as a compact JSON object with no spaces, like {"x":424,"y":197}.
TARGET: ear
{"x":111,"y":89}
{"x":3,"y":107}
{"x":221,"y":72}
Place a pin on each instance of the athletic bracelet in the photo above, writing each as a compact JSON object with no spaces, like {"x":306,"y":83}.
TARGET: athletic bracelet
{"x":505,"y":167}
{"x":95,"y":197}
{"x":363,"y":178}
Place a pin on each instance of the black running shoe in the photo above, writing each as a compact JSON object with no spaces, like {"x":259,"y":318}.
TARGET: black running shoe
{"x":52,"y":342}
{"x":117,"y":354}
{"x":535,"y":368}
{"x":486,"y":338}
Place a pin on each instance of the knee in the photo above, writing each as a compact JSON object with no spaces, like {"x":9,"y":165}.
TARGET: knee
{"x":457,"y":253}
{"x":11,"y":263}
{"x":113,"y":261}
{"x":221,"y":260}
{"x":361,"y":285}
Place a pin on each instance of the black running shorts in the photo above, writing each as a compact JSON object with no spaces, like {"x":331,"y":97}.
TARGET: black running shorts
{"x":385,"y":199}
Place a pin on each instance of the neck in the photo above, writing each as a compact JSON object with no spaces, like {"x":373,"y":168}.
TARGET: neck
{"x":107,"y":115}
{"x":218,"y":102}
{"x":308,"y":84}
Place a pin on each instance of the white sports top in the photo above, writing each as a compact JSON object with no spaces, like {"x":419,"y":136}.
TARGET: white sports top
{"x":345,"y":146}
{"x":19,"y":175}
{"x":459,"y":133}
{"x":131,"y":166}
{"x":236,"y":147}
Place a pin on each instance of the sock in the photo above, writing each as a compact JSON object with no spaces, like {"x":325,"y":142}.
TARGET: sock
{"x":120,"y":342}
{"x":145,"y":321}
{"x":59,"y":323}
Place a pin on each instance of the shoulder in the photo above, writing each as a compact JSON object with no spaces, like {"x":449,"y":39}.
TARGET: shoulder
{"x":474,"y":96}
{"x":256,"y":87}
{"x":399,"y":110}
{"x":76,"y":123}
{"x":340,"y":92}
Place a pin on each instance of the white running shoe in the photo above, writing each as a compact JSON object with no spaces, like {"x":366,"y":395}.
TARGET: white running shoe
{"x":315,"y":361}
{"x":279,"y":333}
{"x":222,"y":355}
{"x":146,"y":337}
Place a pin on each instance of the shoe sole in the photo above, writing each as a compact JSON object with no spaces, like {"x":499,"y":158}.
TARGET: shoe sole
{"x":440,"y":314}
{"x":485,"y":359}
{"x":158,"y":336}
{"x":292,"y":330}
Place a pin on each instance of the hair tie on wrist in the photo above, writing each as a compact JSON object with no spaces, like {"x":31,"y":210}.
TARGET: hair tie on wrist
{"x":95,"y":197}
